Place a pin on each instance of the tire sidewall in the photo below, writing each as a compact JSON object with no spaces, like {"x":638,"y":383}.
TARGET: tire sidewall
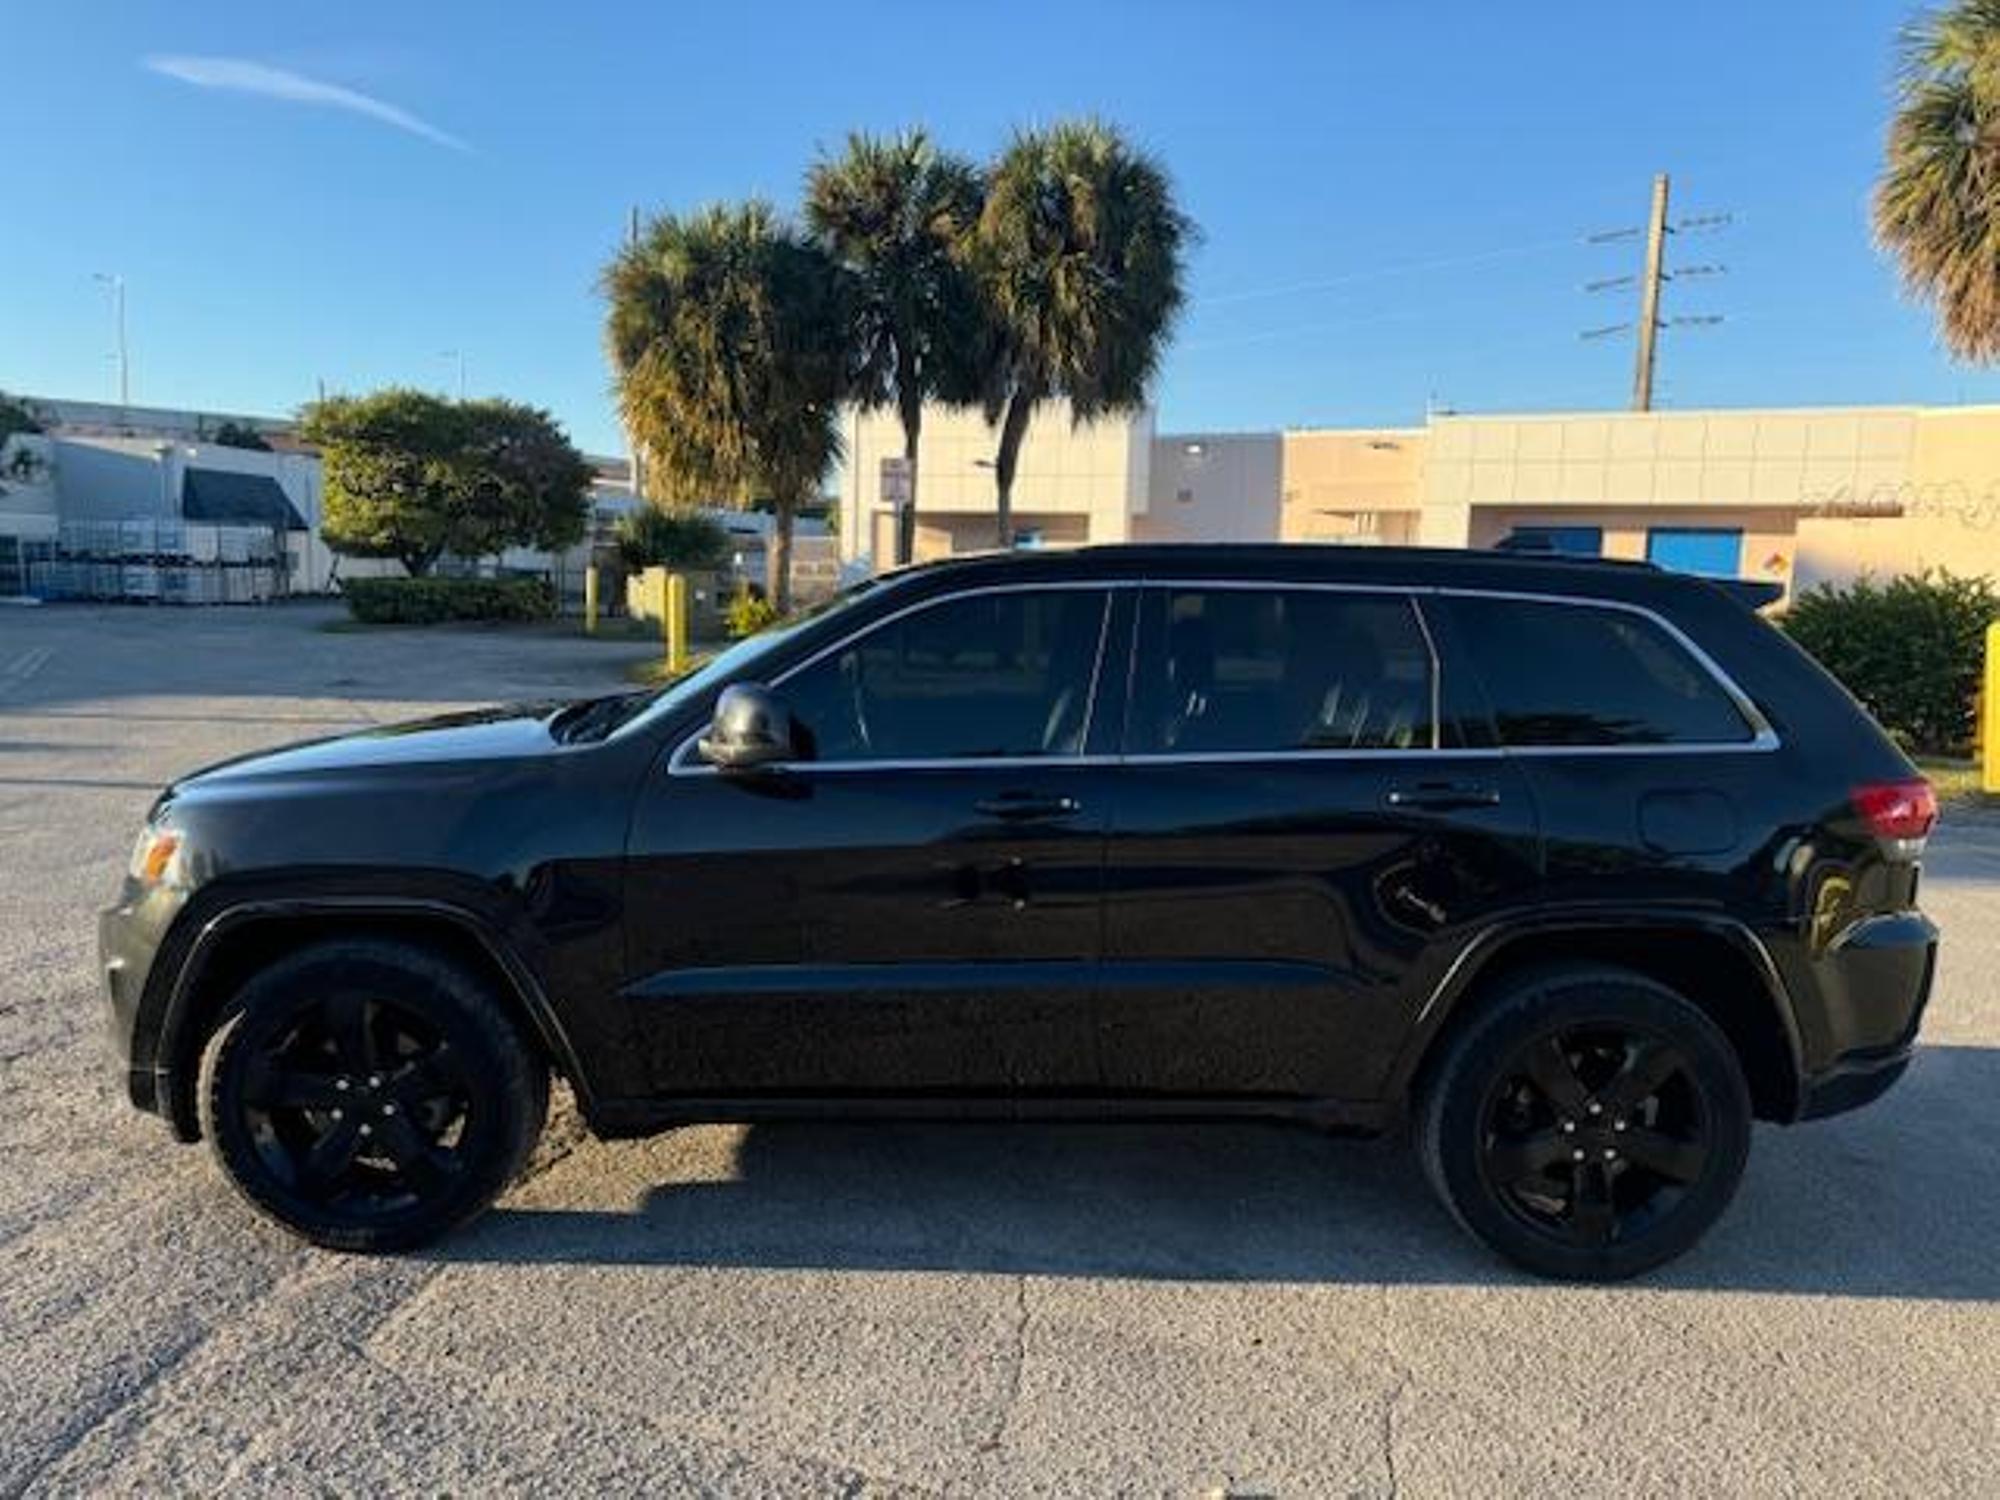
{"x":1454,"y":1122}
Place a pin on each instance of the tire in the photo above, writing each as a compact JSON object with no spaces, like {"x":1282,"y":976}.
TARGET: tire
{"x":369,"y":1095}
{"x":1537,"y":1129}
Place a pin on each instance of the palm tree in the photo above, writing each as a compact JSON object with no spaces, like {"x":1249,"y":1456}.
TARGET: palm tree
{"x":1078,"y":255}
{"x":894,"y":211}
{"x":725,"y":332}
{"x":1937,"y":206}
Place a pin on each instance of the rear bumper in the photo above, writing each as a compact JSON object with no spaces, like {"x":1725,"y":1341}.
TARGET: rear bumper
{"x":1853,"y":1083}
{"x":1874,"y":982}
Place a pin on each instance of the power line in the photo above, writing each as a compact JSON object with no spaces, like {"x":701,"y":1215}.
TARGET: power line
{"x":1405,"y":268}
{"x":1652,"y":281}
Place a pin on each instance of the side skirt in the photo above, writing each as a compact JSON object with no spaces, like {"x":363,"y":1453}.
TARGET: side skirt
{"x":623,"y":1118}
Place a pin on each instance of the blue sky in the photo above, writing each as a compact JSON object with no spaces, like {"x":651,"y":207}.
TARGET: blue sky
{"x":1392,"y":197}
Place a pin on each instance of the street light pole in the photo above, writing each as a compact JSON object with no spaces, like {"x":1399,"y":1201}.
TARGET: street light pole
{"x":117,"y":285}
{"x":459,"y":355}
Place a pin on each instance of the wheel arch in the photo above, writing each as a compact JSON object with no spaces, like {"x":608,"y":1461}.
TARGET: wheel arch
{"x":236,"y":942}
{"x":1716,"y":963}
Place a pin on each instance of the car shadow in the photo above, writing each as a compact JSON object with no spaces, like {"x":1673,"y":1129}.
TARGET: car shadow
{"x":1900,"y":1200}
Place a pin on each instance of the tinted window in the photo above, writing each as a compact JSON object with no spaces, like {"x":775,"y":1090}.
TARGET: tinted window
{"x":981,"y":676}
{"x":1243,"y":669}
{"x":1559,"y":674}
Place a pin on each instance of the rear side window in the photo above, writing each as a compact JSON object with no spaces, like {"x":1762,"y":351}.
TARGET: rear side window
{"x":1576,"y":674}
{"x":1274,"y":669}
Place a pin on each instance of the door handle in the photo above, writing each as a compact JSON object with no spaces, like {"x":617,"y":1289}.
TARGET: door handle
{"x":1026,"y":807}
{"x":1442,"y":796}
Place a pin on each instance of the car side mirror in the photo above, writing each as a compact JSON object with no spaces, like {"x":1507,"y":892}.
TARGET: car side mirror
{"x":752,"y":728}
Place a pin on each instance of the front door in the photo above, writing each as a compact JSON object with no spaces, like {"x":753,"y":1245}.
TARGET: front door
{"x":913,"y":905}
{"x":1306,"y":828}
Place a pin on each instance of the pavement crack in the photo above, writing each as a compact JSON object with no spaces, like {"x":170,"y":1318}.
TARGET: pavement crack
{"x":1016,"y":1368}
{"x":1388,"y":1433}
{"x":1392,"y":1400}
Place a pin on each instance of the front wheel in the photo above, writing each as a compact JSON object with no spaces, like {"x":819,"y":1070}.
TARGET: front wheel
{"x":369,"y":1095}
{"x":1588,"y":1123}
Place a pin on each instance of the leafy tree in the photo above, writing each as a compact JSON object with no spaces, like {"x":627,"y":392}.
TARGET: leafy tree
{"x":652,"y":537}
{"x":895,"y":211}
{"x":1078,"y":256}
{"x":1937,"y":205}
{"x":239,"y":435}
{"x":412,"y":476}
{"x":17,"y":418}
{"x":1910,"y":649}
{"x":725,"y":331}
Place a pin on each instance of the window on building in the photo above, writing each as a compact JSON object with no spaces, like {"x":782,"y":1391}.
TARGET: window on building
{"x":1561,"y":674}
{"x":1713,"y":552}
{"x":1566,"y":541}
{"x":1276,"y":670}
{"x":970,"y":678}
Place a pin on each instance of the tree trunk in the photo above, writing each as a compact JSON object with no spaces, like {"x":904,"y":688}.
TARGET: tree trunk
{"x":1013,"y":428}
{"x":781,"y":554}
{"x":906,"y":522}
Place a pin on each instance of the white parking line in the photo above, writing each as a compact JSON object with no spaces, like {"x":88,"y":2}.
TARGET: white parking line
{"x":27,"y":664}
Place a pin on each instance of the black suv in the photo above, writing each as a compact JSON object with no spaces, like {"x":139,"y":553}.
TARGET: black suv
{"x":1581,"y":866}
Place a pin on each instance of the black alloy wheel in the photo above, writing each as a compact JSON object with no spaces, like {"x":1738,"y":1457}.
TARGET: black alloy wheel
{"x":369,"y":1095}
{"x":1593,"y":1133}
{"x":1587,"y":1122}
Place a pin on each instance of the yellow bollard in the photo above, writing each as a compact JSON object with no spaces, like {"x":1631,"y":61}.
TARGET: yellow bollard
{"x":1989,"y":715}
{"x":677,"y":623}
{"x":590,"y":600}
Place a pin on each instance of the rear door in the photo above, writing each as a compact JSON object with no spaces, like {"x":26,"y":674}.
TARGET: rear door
{"x":1307,"y":827}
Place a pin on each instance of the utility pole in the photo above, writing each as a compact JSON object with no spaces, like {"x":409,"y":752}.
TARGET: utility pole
{"x":117,"y":285}
{"x":1649,"y":297}
{"x":1652,"y":282}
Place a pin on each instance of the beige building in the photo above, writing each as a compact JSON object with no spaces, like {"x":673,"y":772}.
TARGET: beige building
{"x":1793,"y":495}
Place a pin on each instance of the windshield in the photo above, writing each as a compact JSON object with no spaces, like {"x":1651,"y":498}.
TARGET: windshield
{"x":737,"y":659}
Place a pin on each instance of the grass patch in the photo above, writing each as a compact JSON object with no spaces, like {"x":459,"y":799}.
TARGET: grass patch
{"x":1956,"y":780}
{"x":652,"y":672}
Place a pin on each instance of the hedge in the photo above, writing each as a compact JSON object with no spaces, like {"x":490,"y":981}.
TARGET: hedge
{"x":654,"y":538}
{"x":1910,"y":650}
{"x":432,"y":601}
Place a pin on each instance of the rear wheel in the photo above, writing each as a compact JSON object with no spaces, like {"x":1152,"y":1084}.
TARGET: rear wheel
{"x":1587,"y":1124}
{"x":369,"y":1095}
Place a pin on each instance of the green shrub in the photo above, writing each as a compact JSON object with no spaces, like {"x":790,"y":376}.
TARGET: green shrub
{"x":1909,"y":649}
{"x":749,"y":613}
{"x":653,"y":538}
{"x":432,"y":601}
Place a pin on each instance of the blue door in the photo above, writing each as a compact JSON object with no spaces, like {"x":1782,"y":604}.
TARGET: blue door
{"x":1711,"y":552}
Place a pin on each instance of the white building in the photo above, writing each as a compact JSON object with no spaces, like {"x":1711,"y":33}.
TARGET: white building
{"x":99,"y":464}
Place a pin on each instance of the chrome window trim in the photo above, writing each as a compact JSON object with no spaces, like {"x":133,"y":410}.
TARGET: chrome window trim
{"x":1763,"y":738}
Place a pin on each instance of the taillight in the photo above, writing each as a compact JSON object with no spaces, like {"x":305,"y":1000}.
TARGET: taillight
{"x":1900,"y":813}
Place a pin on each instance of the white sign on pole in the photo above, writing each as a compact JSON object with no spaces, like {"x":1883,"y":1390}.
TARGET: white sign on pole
{"x":896,"y":483}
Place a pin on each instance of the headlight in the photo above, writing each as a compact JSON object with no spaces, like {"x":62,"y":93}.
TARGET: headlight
{"x":156,"y":857}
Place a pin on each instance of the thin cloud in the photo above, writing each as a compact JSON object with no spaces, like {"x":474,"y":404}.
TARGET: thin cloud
{"x":244,"y":76}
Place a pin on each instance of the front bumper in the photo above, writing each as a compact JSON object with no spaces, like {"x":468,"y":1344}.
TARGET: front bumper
{"x":130,"y":935}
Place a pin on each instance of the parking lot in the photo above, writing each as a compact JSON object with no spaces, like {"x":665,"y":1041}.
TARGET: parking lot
{"x":900,"y":1309}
